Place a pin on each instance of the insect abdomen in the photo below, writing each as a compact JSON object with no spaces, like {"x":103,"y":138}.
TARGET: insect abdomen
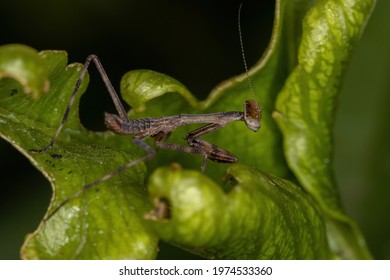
{"x":139,"y":128}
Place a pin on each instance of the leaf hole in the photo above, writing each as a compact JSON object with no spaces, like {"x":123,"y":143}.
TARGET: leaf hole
{"x":13,"y":91}
{"x":161,"y":211}
{"x":229,"y":183}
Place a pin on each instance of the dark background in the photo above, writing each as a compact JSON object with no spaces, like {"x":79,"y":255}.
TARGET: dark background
{"x":197,"y":43}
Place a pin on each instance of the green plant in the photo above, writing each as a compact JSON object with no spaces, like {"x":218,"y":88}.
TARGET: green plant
{"x":259,"y":215}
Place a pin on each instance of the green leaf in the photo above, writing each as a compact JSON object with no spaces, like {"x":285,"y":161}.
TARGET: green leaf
{"x":306,"y":105}
{"x":84,"y":228}
{"x":140,"y":86}
{"x":22,"y":63}
{"x":262,"y":150}
{"x":260,"y":217}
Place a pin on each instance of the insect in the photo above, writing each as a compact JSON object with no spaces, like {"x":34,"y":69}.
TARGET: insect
{"x":160,"y":128}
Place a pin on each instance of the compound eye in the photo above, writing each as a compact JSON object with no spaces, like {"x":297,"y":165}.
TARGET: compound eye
{"x":252,"y":114}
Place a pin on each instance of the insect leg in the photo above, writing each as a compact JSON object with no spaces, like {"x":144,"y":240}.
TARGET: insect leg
{"x":110,"y":88}
{"x":150,"y":154}
{"x":199,"y":146}
{"x":180,"y":148}
{"x":214,"y":152}
{"x":184,"y":149}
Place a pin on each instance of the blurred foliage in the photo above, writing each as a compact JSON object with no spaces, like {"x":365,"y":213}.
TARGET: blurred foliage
{"x":362,"y":154}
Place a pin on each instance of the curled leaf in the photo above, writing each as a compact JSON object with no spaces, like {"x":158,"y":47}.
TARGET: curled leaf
{"x":140,"y":86}
{"x":260,"y":217}
{"x":305,"y":110}
{"x":83,"y":228}
{"x":24,"y":64}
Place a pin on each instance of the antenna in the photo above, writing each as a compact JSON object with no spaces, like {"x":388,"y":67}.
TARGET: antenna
{"x":243,"y":52}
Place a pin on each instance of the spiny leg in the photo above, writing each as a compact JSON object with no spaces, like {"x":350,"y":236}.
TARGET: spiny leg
{"x":184,"y":149}
{"x":150,"y":154}
{"x":199,"y":146}
{"x":213,"y":152}
{"x":118,"y":105}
